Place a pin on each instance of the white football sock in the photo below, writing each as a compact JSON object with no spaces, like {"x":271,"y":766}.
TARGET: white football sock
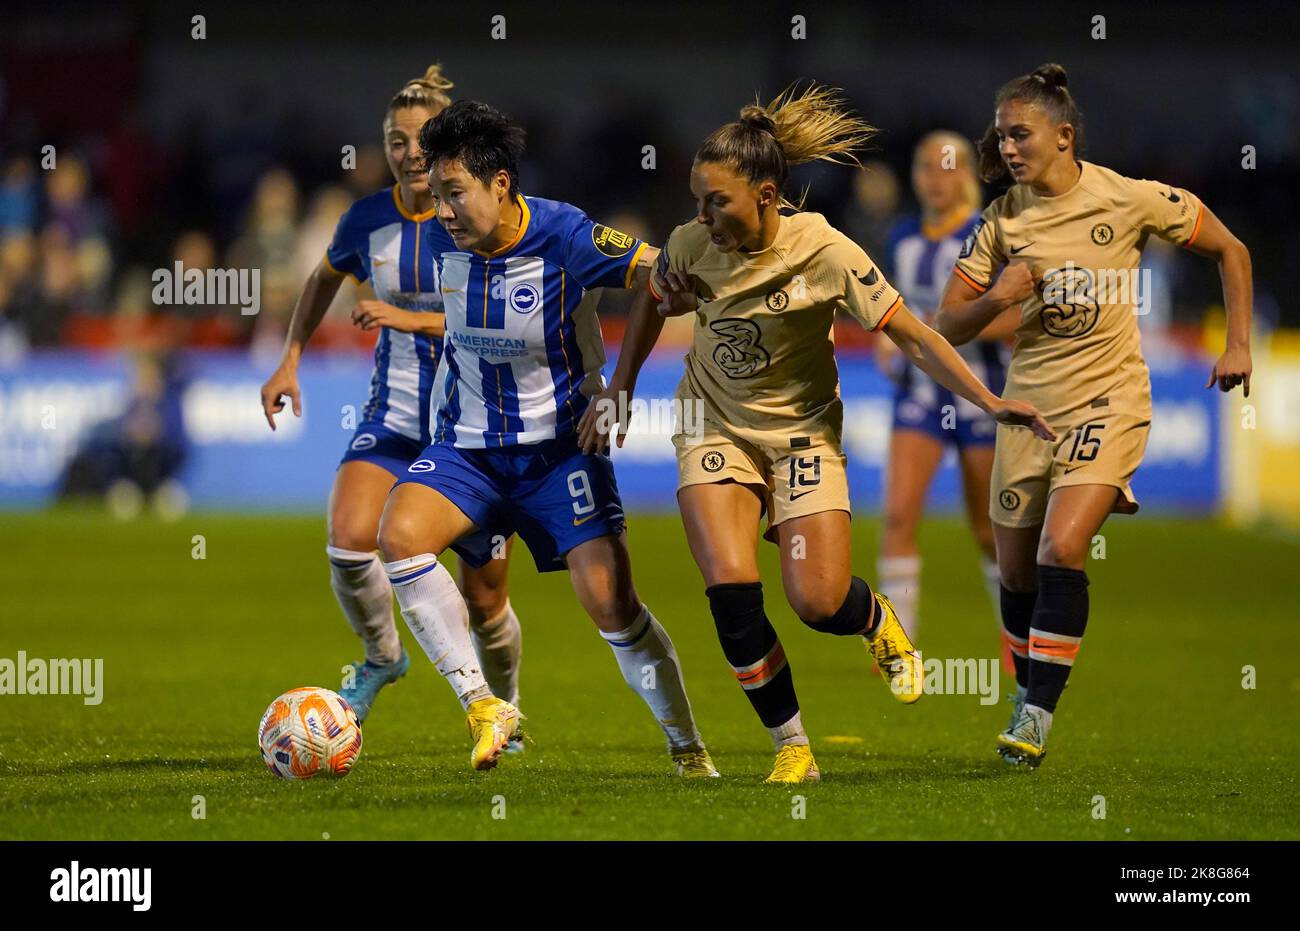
{"x":899,"y":577}
{"x":1044,"y":719}
{"x":498,"y":643}
{"x":361,"y":587}
{"x":993,"y":585}
{"x":790,"y":733}
{"x":436,"y":613}
{"x":649,"y":665}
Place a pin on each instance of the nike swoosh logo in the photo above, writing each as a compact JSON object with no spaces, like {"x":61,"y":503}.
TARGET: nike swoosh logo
{"x":1016,"y":250}
{"x":794,"y":497}
{"x":579,"y":523}
{"x":1072,"y":469}
{"x":378,"y":262}
{"x":869,"y":279}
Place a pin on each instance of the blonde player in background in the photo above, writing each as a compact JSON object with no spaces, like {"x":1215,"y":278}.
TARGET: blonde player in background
{"x":392,"y":239}
{"x":1068,"y":237}
{"x":765,"y":288}
{"x":928,"y":418}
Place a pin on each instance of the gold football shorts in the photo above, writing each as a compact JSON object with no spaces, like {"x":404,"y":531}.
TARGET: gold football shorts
{"x":801,"y":476}
{"x":1105,"y":449}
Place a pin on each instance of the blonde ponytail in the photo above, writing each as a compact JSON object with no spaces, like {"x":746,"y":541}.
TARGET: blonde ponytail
{"x":792,"y":129}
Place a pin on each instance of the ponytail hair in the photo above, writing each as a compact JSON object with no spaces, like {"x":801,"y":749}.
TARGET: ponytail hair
{"x":794,"y":128}
{"x":1046,"y":87}
{"x":428,"y":91}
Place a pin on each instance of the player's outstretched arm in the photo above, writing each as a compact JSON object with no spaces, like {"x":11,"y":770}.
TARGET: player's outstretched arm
{"x":965,"y":314}
{"x":644,"y":324}
{"x":934,"y":355}
{"x":369,"y":314}
{"x":1216,"y":241}
{"x":317,"y":295}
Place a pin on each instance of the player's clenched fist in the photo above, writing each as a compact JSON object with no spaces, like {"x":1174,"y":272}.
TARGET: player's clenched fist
{"x":599,"y":418}
{"x":679,"y":295}
{"x":1014,"y":284}
{"x":284,"y":381}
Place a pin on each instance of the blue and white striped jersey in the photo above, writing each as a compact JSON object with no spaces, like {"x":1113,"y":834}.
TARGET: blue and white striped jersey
{"x":522,"y":335}
{"x":922,"y":264}
{"x":922,"y":261}
{"x":377,"y":239}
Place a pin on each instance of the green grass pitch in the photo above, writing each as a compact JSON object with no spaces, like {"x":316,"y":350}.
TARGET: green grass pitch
{"x":1156,"y":719}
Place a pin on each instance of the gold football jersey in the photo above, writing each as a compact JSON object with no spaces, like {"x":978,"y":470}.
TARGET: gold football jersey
{"x":1077,"y":347}
{"x":762,"y":357}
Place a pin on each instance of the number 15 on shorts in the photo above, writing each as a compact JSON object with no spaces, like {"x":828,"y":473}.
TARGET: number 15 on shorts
{"x":1086,"y":446}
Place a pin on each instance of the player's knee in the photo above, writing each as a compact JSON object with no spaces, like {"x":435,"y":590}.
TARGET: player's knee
{"x":727,"y":572}
{"x":1068,"y":554}
{"x":613,"y":613}
{"x":485,"y":600}
{"x":400,"y":537}
{"x":815,"y":607}
{"x":1019,"y":578}
{"x":348,"y":531}
{"x":898,"y":530}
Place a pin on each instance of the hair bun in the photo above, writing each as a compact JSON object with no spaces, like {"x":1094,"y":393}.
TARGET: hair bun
{"x":1051,"y":74}
{"x":433,"y":79}
{"x":756,"y":117}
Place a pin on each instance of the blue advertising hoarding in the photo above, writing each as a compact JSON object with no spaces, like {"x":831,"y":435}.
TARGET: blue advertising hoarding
{"x":51,"y":403}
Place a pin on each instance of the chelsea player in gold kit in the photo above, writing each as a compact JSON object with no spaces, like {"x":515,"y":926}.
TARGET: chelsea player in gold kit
{"x":1067,"y":238}
{"x":764,"y":287}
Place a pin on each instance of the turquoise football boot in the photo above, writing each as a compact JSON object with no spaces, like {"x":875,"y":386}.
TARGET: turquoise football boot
{"x":368,"y":679}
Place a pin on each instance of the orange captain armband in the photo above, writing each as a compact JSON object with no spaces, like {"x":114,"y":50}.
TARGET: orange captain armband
{"x":981,"y":288}
{"x":1196,"y":230}
{"x":893,"y":309}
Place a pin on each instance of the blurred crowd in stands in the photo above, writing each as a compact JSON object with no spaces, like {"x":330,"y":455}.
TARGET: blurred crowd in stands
{"x":79,"y":242}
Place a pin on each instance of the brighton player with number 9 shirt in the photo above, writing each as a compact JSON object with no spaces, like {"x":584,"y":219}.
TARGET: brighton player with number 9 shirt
{"x":522,"y":356}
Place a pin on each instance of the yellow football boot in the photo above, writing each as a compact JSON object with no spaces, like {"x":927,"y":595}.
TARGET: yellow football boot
{"x":492,"y":722}
{"x":1024,"y":742}
{"x":694,"y":763}
{"x":794,"y":763}
{"x":895,"y":655}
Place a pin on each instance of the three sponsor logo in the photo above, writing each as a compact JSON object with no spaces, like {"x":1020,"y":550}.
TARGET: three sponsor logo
{"x":740,"y":353}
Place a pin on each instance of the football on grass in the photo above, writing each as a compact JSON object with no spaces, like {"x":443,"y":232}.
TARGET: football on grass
{"x":307,"y":732}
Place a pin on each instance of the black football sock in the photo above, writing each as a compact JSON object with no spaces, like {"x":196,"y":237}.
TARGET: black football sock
{"x":1017,"y":612}
{"x":856,"y":617}
{"x":1060,"y":616}
{"x":751,"y":646}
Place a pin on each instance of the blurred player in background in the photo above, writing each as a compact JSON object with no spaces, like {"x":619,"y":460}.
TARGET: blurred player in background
{"x":1068,"y":237}
{"x":928,"y":418}
{"x":523,"y":355}
{"x":392,"y":239}
{"x":765,"y":288}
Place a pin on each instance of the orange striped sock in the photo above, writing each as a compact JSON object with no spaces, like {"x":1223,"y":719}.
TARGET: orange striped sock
{"x":1060,"y":617}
